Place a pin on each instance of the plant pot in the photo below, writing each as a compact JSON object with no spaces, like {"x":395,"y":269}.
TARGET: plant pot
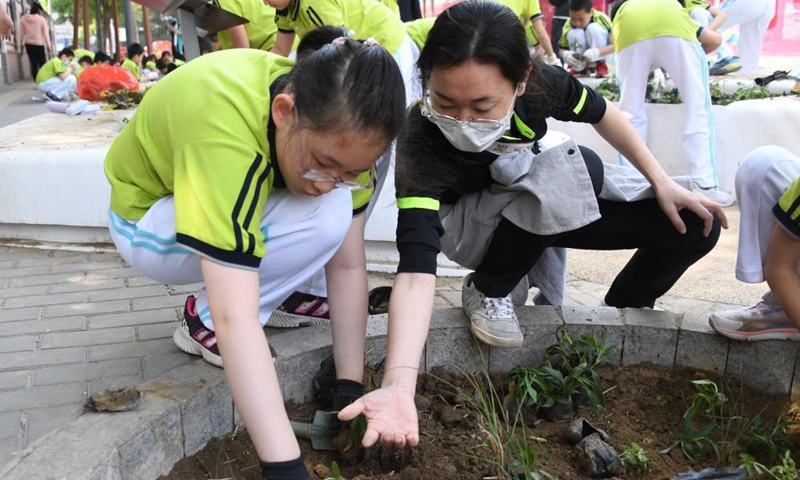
{"x":560,"y":412}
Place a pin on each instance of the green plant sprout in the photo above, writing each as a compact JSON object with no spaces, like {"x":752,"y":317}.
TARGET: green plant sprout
{"x":635,"y":456}
{"x":786,"y":470}
{"x":335,"y":472}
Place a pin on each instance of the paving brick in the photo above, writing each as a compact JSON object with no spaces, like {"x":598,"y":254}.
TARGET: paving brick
{"x":154,"y":303}
{"x":86,"y":308}
{"x":450,"y":344}
{"x":699,"y":346}
{"x":746,"y":360}
{"x":36,"y":358}
{"x":18,"y":314}
{"x":133,"y":318}
{"x":161,"y":444}
{"x":8,"y":264}
{"x":108,"y":469}
{"x":24,"y":271}
{"x":10,"y":424}
{"x":650,"y":337}
{"x":131,"y":293}
{"x":41,"y":397}
{"x":157,"y":365}
{"x":157,"y":330}
{"x":375,"y":347}
{"x":102,"y":336}
{"x":8,"y":452}
{"x":539,"y":325}
{"x":52,"y":260}
{"x":452,"y":296}
{"x":143,"y":348}
{"x":41,"y":301}
{"x":15,"y":379}
{"x":141,"y":281}
{"x":87,"y":286}
{"x":22,"y":291}
{"x":45,"y":420}
{"x":300,"y":352}
{"x":85,"y":266}
{"x":604,"y":322}
{"x":86,"y":371}
{"x":113,"y":383}
{"x":111,"y":273}
{"x":59,"y":324}
{"x":17,"y":344}
{"x":62,"y":279}
{"x":191,"y":289}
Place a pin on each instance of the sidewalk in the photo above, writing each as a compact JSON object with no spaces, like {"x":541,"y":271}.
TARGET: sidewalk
{"x":74,"y":323}
{"x":16,"y":102}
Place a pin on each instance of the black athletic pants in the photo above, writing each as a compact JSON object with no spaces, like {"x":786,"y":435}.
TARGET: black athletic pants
{"x":36,"y":56}
{"x":663,"y":254}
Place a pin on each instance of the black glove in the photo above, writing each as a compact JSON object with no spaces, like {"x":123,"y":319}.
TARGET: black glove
{"x":346,"y":392}
{"x":288,"y":470}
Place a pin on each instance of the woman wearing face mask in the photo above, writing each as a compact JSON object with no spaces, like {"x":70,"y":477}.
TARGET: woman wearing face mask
{"x":239,"y":190}
{"x":474,"y":183}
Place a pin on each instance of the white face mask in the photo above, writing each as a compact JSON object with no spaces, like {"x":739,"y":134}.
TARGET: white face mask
{"x":470,"y":135}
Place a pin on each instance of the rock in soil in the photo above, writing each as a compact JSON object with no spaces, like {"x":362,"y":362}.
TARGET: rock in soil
{"x":714,"y":474}
{"x":599,"y":459}
{"x":582,"y":428}
{"x":451,"y":416}
{"x":558,"y":413}
{"x":321,"y":471}
{"x":121,"y":400}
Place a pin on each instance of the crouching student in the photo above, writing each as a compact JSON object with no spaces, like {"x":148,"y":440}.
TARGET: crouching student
{"x":474,"y":183}
{"x":711,"y":17}
{"x":229,"y":174}
{"x":134,"y":60}
{"x":56,"y":79}
{"x":768,"y":191}
{"x":586,"y":40}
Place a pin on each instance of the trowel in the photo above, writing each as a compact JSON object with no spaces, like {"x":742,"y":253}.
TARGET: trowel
{"x":319,"y":432}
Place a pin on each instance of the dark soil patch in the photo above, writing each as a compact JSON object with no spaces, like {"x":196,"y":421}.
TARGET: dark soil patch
{"x":643,"y":405}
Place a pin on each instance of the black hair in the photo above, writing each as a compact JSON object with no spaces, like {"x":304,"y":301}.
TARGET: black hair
{"x":36,"y":8}
{"x":349,"y":84}
{"x":318,"y":38}
{"x":578,"y":5}
{"x":615,"y":8}
{"x":485,"y":31}
{"x":66,"y":51}
{"x":101,"y":57}
{"x":86,"y":59}
{"x":149,"y":58}
{"x":135,"y":49}
{"x":162,"y":64}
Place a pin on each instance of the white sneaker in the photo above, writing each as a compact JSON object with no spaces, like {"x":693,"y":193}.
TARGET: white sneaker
{"x":714,"y":194}
{"x":492,"y":320}
{"x":764,"y":320}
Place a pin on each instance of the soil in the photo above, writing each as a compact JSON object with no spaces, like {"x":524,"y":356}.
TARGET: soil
{"x":642,"y":404}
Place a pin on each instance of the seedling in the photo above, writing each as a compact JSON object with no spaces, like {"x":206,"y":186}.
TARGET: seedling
{"x":635,"y":456}
{"x":786,"y":470}
{"x":335,"y":472}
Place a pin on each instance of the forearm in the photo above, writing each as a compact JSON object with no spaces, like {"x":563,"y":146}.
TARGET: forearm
{"x":607,"y":50}
{"x":283,"y":44}
{"x":619,"y":133}
{"x":410,"y":310}
{"x":543,"y":36}
{"x":719,"y":18}
{"x":346,"y":275}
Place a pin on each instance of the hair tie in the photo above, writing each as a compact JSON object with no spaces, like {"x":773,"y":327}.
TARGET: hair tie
{"x":339,"y":41}
{"x":371,"y":42}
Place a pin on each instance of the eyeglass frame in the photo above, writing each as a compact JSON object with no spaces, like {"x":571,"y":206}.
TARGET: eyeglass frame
{"x":427,"y":110}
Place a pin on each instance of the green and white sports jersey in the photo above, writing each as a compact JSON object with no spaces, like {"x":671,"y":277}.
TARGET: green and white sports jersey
{"x":527,"y":11}
{"x":368,"y":18}
{"x":598,"y":17}
{"x":214,"y":156}
{"x":50,"y":69}
{"x":133,"y":67}
{"x":261,"y":29}
{"x":639,"y":20}
{"x":787,"y":211}
{"x":418,"y":30}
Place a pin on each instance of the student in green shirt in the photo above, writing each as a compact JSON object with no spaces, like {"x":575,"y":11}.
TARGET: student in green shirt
{"x":56,"y":79}
{"x":134,"y":60}
{"x":236,"y":171}
{"x":258,"y":33}
{"x":586,"y":40}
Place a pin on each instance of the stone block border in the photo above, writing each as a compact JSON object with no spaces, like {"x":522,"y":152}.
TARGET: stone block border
{"x":186,"y":407}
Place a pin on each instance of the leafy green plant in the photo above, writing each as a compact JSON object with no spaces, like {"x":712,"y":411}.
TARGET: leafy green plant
{"x":660,"y":401}
{"x":786,"y":470}
{"x":335,"y":472}
{"x":635,"y":456}
{"x":358,"y":427}
{"x":609,"y":89}
{"x":769,"y":439}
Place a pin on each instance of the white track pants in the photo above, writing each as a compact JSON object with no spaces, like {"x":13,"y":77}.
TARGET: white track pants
{"x":762,"y":177}
{"x":686,"y":63}
{"x":582,"y":39}
{"x":59,"y":88}
{"x":753,"y":17}
{"x":302,"y":234}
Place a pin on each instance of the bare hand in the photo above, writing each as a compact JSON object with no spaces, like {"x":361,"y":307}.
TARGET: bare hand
{"x":6,"y":25}
{"x":391,"y":417}
{"x":674,"y":198}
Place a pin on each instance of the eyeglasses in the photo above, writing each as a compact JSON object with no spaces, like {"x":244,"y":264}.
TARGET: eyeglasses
{"x":479,"y":124}
{"x":362,"y":181}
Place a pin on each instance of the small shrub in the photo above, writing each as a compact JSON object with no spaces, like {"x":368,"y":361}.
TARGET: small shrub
{"x":635,"y":456}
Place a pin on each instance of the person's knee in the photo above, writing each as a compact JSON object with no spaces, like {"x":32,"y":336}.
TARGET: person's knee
{"x":695,"y":241}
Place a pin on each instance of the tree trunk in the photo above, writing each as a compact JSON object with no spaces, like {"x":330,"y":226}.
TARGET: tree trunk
{"x":115,"y":18}
{"x":76,"y":21}
{"x":148,"y":34}
{"x":87,"y":33}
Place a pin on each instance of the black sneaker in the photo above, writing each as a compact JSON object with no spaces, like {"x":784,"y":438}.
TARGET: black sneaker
{"x":300,"y":310}
{"x":51,"y":97}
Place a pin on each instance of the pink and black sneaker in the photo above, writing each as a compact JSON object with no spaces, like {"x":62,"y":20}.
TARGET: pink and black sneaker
{"x":300,"y":310}
{"x":194,"y":338}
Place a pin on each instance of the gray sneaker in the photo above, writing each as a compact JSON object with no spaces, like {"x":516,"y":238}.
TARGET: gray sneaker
{"x":492,"y":320}
{"x":714,"y":194}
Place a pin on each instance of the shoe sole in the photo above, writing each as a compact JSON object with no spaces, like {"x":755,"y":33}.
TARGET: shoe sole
{"x":493,"y":340}
{"x":281,"y":319}
{"x":775,"y":334}
{"x":184,"y":342}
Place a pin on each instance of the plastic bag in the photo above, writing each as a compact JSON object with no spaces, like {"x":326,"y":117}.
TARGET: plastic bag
{"x":105,"y":78}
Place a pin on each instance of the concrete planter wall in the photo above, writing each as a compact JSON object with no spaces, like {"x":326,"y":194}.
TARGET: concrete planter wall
{"x":172,"y":420}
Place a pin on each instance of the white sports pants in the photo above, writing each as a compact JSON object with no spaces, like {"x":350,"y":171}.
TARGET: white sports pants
{"x":762,"y":177}
{"x":753,"y":17}
{"x":704,"y":18}
{"x":302,"y":234}
{"x":686,"y":63}
{"x":59,"y":88}
{"x":582,"y":39}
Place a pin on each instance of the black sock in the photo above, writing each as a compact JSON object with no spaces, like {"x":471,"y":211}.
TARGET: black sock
{"x":288,"y":470}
